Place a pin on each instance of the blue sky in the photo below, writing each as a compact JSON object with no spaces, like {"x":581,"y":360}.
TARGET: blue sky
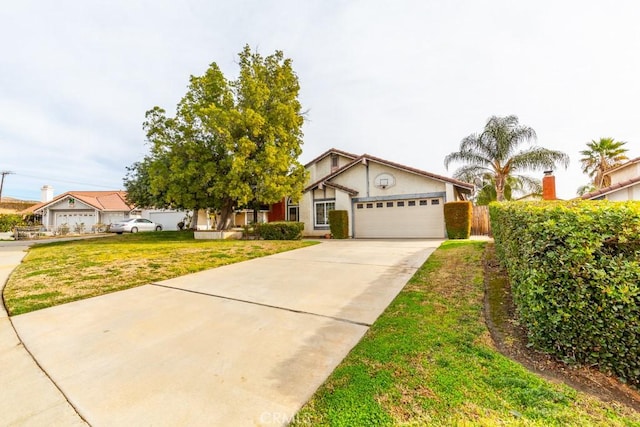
{"x":403,"y":80}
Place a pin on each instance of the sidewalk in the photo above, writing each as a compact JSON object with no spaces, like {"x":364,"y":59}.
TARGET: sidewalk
{"x":27,"y":396}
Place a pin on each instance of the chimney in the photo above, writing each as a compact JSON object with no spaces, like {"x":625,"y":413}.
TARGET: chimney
{"x":548,"y":186}
{"x":46,"y":194}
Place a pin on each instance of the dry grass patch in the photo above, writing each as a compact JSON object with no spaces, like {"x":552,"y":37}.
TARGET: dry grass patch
{"x":61,"y":272}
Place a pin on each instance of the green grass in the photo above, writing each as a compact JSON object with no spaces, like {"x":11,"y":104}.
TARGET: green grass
{"x":429,"y":360}
{"x":59,"y":272}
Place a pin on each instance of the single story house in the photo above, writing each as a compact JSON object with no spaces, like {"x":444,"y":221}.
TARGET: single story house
{"x":81,"y":210}
{"x":382,"y":199}
{"x":625,"y":183}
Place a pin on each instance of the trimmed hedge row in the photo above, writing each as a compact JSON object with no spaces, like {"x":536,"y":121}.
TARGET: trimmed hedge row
{"x":575,"y":275}
{"x":339,"y":224}
{"x":281,"y":230}
{"x":458,"y":217}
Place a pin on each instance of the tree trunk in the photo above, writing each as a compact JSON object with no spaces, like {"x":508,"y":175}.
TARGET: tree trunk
{"x":194,"y":220}
{"x":225,"y":215}
{"x":500,"y":188}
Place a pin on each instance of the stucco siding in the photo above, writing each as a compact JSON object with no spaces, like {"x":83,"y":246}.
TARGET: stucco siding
{"x":624,"y":194}
{"x":625,"y":173}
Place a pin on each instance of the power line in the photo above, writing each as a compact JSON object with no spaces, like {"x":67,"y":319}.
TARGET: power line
{"x":3,"y":173}
{"x":66,"y":181}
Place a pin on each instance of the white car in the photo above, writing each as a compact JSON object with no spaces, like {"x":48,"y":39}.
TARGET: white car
{"x":133,"y":225}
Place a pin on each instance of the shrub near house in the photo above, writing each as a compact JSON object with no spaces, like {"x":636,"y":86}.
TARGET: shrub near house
{"x":575,"y":275}
{"x":9,"y":221}
{"x":283,"y":230}
{"x":457,"y":217}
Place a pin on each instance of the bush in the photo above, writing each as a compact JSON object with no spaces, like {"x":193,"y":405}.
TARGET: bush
{"x":339,"y":224}
{"x":575,"y":274}
{"x":9,"y":221}
{"x":458,"y":217}
{"x":283,"y":230}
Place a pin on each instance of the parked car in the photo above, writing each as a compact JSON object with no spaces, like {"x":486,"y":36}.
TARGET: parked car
{"x":133,"y":225}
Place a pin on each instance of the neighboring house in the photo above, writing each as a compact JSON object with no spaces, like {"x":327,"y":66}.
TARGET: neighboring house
{"x":382,"y":199}
{"x":531,"y":197}
{"x":625,"y":183}
{"x":80,"y":209}
{"x":168,"y":218}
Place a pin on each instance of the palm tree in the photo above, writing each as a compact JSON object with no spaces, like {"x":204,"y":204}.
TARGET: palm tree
{"x":486,"y":189}
{"x":495,"y":153}
{"x":601,"y":156}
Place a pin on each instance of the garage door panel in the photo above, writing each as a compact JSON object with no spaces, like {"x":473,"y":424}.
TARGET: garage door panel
{"x":412,"y":218}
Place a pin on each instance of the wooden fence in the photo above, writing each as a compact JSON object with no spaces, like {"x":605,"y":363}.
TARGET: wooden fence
{"x":480,"y":225}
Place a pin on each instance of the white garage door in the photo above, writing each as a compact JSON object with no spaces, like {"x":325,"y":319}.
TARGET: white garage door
{"x":411,"y":218}
{"x":73,"y":219}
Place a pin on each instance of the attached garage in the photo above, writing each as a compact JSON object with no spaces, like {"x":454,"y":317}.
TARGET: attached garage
{"x":383,"y":200}
{"x":76,"y":220}
{"x":406,"y":218}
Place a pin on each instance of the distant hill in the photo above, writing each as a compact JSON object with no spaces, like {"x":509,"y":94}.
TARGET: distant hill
{"x":12,"y":205}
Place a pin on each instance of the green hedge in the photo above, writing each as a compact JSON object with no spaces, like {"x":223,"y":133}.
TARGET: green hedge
{"x":575,"y":274}
{"x":458,"y":217}
{"x":282,"y":230}
{"x":8,"y":221}
{"x":339,"y":224}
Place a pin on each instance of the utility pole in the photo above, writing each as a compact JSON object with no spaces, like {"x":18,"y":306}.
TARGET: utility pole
{"x":3,"y":173}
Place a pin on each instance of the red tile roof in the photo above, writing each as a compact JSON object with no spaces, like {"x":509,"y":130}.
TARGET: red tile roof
{"x":331,"y":151}
{"x":105,"y":201}
{"x":611,"y":188}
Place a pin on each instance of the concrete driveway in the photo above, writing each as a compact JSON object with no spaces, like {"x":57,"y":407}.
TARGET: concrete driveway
{"x":243,"y":345}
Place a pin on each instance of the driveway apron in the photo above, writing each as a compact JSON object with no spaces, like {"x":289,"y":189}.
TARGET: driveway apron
{"x":27,"y":395}
{"x":245,"y":344}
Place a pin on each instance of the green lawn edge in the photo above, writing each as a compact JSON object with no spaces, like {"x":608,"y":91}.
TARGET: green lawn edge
{"x":59,"y":272}
{"x":429,"y":360}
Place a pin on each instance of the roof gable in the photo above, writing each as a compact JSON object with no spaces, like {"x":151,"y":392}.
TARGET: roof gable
{"x":114,"y":201}
{"x":328,"y":153}
{"x":610,"y":189}
{"x":623,"y":166}
{"x":368,"y":158}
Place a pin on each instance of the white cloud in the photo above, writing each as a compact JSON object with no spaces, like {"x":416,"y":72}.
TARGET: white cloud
{"x":404,"y":80}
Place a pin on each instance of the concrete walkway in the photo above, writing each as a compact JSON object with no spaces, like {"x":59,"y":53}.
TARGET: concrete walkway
{"x":243,"y":345}
{"x":27,"y":395}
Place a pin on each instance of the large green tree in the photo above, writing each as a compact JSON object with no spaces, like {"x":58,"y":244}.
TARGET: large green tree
{"x":599,"y":157}
{"x":232,"y":143}
{"x":496,"y":154}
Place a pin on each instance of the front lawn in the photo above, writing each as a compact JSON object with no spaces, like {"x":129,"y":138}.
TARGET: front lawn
{"x":429,"y":361}
{"x":60,"y":272}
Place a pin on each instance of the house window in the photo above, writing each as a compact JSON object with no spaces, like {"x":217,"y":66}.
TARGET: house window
{"x":412,"y":202}
{"x":322,"y":212}
{"x":334,"y":161}
{"x":293,"y":213}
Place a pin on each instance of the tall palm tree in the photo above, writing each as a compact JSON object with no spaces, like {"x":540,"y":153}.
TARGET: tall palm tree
{"x":495,"y":152}
{"x":486,"y":189}
{"x":601,"y":156}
